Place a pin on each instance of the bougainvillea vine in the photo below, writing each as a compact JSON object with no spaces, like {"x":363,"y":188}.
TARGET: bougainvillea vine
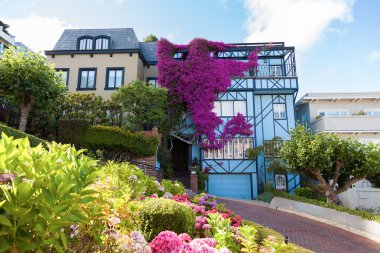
{"x":196,"y":79}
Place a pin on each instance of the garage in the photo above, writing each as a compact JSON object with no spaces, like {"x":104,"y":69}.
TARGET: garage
{"x":230,"y":185}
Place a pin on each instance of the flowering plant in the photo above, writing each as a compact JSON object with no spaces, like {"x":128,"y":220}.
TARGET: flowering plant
{"x":195,"y":81}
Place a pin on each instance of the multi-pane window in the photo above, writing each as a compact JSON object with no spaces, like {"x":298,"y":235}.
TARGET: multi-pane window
{"x":238,"y":148}
{"x":101,"y":43}
{"x":87,"y":79}
{"x":152,"y":81}
{"x":272,"y":147}
{"x":280,"y":180}
{"x":64,"y":74}
{"x":279,"y":111}
{"x":372,"y":112}
{"x":333,"y":112}
{"x":85,"y":44}
{"x":275,"y":70}
{"x":114,"y":78}
{"x":228,"y":150}
{"x":230,"y":108}
{"x":232,"y":149}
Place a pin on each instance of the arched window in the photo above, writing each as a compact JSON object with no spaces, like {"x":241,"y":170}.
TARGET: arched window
{"x":102,"y":43}
{"x":85,"y":43}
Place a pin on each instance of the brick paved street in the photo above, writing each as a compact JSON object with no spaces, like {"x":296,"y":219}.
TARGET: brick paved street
{"x":310,"y":234}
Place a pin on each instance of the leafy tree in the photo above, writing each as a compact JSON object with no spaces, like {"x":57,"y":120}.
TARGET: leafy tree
{"x":374,"y":180}
{"x":29,"y":82}
{"x":142,"y":104}
{"x":5,"y":27}
{"x":150,"y":38}
{"x":334,"y":162}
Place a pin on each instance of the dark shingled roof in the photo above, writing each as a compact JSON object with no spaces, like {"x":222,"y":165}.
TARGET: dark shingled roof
{"x":149,"y":49}
{"x":121,"y":38}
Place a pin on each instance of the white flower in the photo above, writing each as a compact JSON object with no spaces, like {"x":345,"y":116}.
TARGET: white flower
{"x":168,"y":195}
{"x":176,"y":185}
{"x":112,"y":221}
{"x":161,"y":188}
{"x":132,"y":177}
{"x":157,"y":183}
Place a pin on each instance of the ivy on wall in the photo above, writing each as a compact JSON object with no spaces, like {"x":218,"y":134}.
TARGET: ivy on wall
{"x":194,"y":80}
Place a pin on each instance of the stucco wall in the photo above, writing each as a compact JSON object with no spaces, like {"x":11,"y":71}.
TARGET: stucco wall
{"x":150,"y":72}
{"x":364,"y":198}
{"x":352,"y":223}
{"x":101,"y":62}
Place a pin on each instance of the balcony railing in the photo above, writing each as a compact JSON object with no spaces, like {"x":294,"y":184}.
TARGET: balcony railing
{"x":275,"y":71}
{"x":346,"y":124}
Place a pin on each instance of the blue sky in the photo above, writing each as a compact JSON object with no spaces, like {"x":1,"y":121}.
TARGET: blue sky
{"x":337,"y":41}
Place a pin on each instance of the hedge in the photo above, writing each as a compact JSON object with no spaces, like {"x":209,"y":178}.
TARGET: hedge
{"x":34,"y":141}
{"x":115,"y":138}
{"x":363,"y":214}
{"x":72,"y":130}
{"x":158,"y":215}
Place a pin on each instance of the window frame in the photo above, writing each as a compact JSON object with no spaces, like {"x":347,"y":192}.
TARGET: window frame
{"x":67,"y":76}
{"x":370,"y":111}
{"x":332,"y":110}
{"x":274,"y":111}
{"x":80,"y":76}
{"x":108,"y":38}
{"x":285,"y":178}
{"x":85,"y":38}
{"x":218,"y":108}
{"x":151,"y":78}
{"x":106,"y":87}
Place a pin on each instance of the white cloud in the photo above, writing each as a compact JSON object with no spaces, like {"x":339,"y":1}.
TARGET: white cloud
{"x":374,"y":55}
{"x":37,"y":32}
{"x":298,"y":23}
{"x":119,"y":1}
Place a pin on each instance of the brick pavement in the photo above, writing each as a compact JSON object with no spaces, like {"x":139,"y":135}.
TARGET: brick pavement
{"x":310,"y":234}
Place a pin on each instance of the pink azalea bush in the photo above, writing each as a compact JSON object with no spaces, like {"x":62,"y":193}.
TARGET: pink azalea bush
{"x":168,"y":241}
{"x":195,"y":81}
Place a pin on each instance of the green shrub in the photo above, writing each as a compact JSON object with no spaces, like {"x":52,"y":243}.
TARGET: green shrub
{"x":164,"y":214}
{"x":46,"y":195}
{"x":174,"y":188}
{"x":34,"y":141}
{"x":266,"y":196}
{"x":305,"y":192}
{"x":365,"y":215}
{"x":117,"y":139}
{"x":72,"y":130}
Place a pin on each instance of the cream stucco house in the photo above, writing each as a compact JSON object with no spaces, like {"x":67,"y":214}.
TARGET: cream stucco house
{"x":101,"y":60}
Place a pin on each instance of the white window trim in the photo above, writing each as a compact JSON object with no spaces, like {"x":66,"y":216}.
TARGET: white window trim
{"x":371,"y":111}
{"x":279,"y":112}
{"x":334,"y":110}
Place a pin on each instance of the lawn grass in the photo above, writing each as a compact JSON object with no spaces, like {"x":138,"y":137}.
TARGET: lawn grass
{"x":264,"y":232}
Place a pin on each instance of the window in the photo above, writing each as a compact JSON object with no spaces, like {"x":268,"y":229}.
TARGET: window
{"x":279,"y":111}
{"x":85,"y":43}
{"x":227,"y":108}
{"x":230,"y":108}
{"x":232,"y":149}
{"x":87,"y":79}
{"x":218,"y":153}
{"x":238,"y":148}
{"x":115,"y":78}
{"x":275,"y":70}
{"x":101,"y":43}
{"x":372,"y":112}
{"x":333,"y":112}
{"x":64,"y":74}
{"x":228,"y":150}
{"x":152,"y":80}
{"x":280,"y":180}
{"x":247,"y":144}
{"x":272,"y":147}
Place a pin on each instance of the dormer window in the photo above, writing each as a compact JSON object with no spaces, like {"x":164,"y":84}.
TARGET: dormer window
{"x":85,"y":43}
{"x":102,"y":43}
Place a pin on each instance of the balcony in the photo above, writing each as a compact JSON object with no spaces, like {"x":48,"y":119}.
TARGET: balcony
{"x":347,"y":124}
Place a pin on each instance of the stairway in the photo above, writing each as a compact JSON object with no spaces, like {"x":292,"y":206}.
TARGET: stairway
{"x":183,"y":177}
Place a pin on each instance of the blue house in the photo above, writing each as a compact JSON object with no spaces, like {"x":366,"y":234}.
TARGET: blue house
{"x":266,"y":98}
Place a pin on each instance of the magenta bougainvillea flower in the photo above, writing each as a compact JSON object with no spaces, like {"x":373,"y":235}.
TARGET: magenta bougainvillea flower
{"x":195,"y":82}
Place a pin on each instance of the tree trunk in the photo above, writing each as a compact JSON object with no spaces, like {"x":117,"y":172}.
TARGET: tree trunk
{"x":331,"y":197}
{"x":24,"y":109}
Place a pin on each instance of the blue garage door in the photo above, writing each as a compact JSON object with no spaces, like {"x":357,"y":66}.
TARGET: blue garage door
{"x":230,"y":185}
